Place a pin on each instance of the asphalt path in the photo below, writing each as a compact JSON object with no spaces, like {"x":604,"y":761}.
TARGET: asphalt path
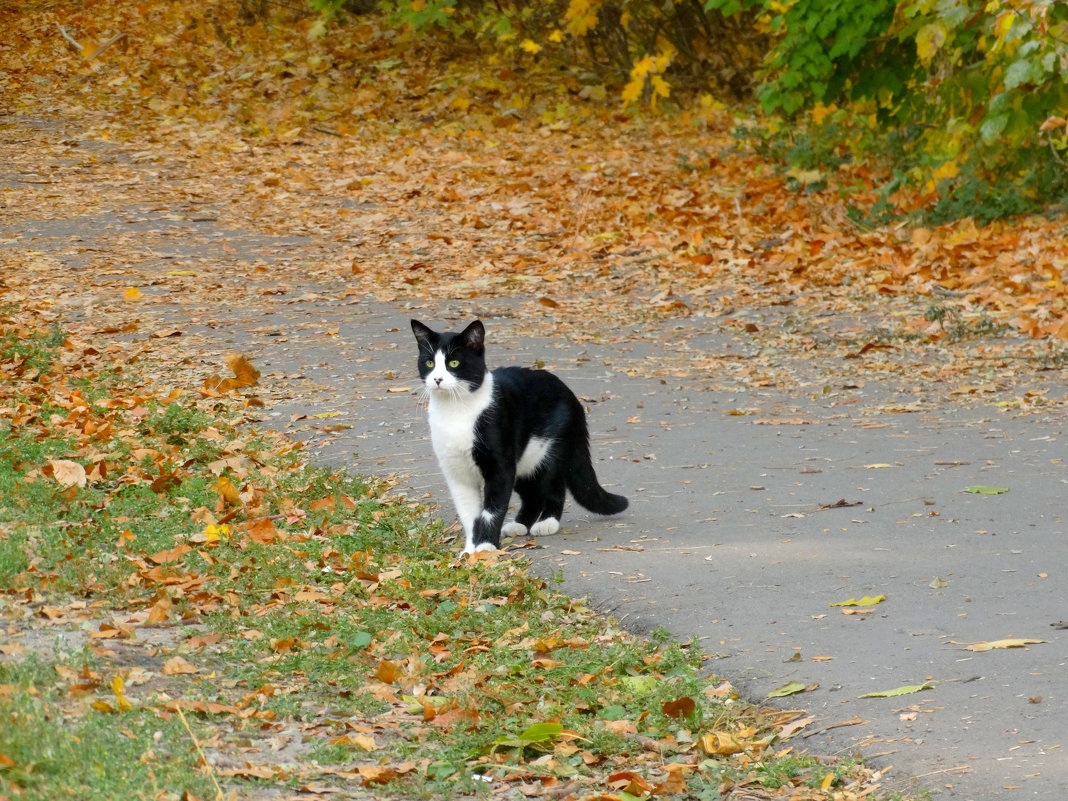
{"x":753,"y":511}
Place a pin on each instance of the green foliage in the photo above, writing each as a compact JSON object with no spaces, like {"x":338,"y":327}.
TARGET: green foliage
{"x":971,"y":96}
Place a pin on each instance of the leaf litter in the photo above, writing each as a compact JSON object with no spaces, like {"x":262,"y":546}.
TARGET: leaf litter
{"x":419,"y":196}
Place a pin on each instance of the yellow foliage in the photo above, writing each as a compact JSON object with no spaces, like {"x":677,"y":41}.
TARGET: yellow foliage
{"x":581,"y":16}
{"x":642,"y":68}
{"x":821,"y":112}
{"x":633,"y":90}
{"x":929,"y":39}
{"x":660,"y":87}
{"x":650,"y":68}
{"x":530,"y":46}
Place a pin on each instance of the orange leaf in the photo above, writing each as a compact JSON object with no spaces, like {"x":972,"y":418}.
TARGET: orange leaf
{"x":720,"y":743}
{"x":679,"y":708}
{"x":629,"y":782}
{"x":247,"y":375}
{"x":228,"y":491}
{"x":173,"y":555}
{"x":674,"y":784}
{"x":387,"y":671}
{"x":264,"y":532}
{"x":176,"y":666}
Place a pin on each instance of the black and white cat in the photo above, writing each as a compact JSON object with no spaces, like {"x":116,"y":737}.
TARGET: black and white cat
{"x":512,"y":428}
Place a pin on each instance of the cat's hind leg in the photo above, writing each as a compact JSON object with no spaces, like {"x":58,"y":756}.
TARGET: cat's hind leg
{"x":552,"y":507}
{"x":529,"y":508}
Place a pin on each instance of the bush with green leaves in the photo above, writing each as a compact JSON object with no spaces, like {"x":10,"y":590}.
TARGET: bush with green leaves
{"x":975,"y":92}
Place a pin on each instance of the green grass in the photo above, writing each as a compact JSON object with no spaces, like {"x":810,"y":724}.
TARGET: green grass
{"x":61,"y":750}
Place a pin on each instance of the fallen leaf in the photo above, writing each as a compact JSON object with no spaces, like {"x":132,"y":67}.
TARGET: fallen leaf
{"x":679,"y":708}
{"x":176,"y":666}
{"x":68,"y":473}
{"x":792,"y":688}
{"x":867,"y":600}
{"x":906,"y":690}
{"x":387,"y":671}
{"x":246,"y":374}
{"x":121,"y":701}
{"x":986,"y":490}
{"x":721,"y":743}
{"x":1013,"y":643}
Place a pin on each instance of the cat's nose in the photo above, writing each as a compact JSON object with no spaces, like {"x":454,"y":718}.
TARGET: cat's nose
{"x":438,"y":381}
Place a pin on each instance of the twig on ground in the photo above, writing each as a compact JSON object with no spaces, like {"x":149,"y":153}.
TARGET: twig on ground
{"x":81,"y":48}
{"x":204,"y":759}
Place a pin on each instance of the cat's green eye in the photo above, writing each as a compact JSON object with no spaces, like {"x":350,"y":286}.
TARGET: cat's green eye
{"x":430,"y":363}
{"x":454,"y":363}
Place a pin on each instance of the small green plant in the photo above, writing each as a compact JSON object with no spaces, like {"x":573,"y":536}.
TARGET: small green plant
{"x":957,"y":327}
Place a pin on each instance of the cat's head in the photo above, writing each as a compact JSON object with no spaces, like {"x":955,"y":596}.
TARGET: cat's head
{"x":451,"y":365}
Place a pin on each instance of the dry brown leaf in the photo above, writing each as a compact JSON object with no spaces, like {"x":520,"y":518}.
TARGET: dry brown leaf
{"x":68,"y":473}
{"x":177,"y":666}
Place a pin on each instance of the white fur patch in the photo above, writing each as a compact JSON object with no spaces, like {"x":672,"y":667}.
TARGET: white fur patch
{"x":533,"y":455}
{"x":453,"y":414}
{"x":549,"y":525}
{"x":514,"y":529}
{"x":484,"y":546}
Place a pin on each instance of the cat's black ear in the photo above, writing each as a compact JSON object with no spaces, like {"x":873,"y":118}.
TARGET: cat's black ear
{"x":422,"y":333}
{"x":474,"y":336}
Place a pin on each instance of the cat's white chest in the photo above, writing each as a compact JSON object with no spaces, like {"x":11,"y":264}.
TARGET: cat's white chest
{"x":452,"y":432}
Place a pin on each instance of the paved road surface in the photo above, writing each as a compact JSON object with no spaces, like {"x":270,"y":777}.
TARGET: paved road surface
{"x":745,"y":527}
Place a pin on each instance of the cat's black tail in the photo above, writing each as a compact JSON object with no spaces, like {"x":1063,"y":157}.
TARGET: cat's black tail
{"x":587,"y":490}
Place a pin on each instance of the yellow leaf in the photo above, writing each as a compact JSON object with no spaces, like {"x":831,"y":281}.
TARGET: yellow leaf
{"x":131,"y":293}
{"x":947,"y":169}
{"x":642,"y":68}
{"x":228,"y":491}
{"x":720,"y":743}
{"x":820,"y":112}
{"x":867,"y":600}
{"x":556,"y":36}
{"x":660,"y":87}
{"x":121,"y":701}
{"x":989,"y":646}
{"x":633,"y":90}
{"x":181,"y":272}
{"x":530,"y":46}
{"x":929,"y":39}
{"x":581,"y":16}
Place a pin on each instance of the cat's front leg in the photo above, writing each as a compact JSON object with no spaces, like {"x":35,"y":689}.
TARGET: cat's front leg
{"x":486,"y":534}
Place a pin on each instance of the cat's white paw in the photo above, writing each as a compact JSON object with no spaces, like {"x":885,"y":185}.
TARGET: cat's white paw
{"x":549,"y":525}
{"x":514,"y":529}
{"x":482,"y":546}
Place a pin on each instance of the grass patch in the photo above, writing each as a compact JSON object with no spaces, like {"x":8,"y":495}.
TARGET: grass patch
{"x":235,"y":616}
